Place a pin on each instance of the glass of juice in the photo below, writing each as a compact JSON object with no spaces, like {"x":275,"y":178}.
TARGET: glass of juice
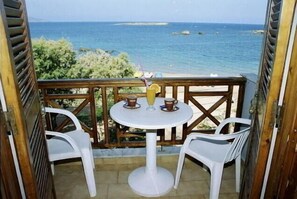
{"x":150,"y":96}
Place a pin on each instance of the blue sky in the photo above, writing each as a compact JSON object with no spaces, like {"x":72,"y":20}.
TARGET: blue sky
{"x":211,"y":11}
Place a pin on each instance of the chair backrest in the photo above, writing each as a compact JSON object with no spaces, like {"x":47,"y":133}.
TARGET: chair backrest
{"x":238,"y":138}
{"x":231,"y":120}
{"x":238,"y":142}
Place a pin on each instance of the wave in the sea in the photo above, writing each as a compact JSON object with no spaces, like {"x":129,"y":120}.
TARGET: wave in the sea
{"x":143,"y":24}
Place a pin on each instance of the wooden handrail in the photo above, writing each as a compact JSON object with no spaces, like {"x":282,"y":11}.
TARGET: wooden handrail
{"x":91,"y":94}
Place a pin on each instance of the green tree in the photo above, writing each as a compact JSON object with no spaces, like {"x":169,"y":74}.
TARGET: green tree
{"x":53,"y":59}
{"x":100,"y":64}
{"x":58,"y":60}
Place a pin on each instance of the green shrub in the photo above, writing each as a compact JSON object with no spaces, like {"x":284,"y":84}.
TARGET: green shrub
{"x":53,"y":59}
{"x":100,"y":64}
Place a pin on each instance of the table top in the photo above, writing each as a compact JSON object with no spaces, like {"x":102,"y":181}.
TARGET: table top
{"x":146,"y":119}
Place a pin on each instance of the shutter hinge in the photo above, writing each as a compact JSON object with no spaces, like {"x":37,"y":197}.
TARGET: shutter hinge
{"x":278,"y":114}
{"x":10,"y":121}
{"x":253,"y":105}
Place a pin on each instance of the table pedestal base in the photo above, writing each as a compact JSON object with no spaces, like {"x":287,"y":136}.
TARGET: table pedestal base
{"x":149,"y":184}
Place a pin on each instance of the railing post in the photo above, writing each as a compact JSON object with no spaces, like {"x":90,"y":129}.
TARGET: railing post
{"x":105,"y":115}
{"x":93,"y":114}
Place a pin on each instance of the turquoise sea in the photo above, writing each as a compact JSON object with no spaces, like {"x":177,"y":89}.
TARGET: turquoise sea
{"x":204,"y":48}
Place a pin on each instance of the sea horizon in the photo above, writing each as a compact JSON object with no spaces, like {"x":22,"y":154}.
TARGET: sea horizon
{"x":45,"y":21}
{"x":223,"y":49}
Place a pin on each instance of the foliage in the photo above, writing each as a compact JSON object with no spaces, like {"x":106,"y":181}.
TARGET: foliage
{"x":99,"y":64}
{"x":58,"y":60}
{"x":53,"y":59}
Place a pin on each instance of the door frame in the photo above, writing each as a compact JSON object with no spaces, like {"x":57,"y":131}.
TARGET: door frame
{"x":11,"y":180}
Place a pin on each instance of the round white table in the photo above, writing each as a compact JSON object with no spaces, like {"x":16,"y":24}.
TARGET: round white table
{"x":150,"y":181}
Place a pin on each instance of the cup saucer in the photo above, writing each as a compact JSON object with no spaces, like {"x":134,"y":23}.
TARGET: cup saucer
{"x":163,"y":108}
{"x":131,"y":107}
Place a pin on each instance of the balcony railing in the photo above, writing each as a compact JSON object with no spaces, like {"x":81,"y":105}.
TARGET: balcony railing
{"x":212,"y":100}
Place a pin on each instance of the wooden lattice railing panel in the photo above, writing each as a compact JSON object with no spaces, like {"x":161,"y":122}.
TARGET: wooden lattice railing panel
{"x":212,"y":100}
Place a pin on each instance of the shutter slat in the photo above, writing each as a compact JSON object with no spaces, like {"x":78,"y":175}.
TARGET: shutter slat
{"x":20,"y":57}
{"x":269,"y":63}
{"x":270,"y":55}
{"x":277,"y":1}
{"x":275,"y":16}
{"x":265,"y":89}
{"x":274,"y":24}
{"x":11,"y":12}
{"x":16,"y":30}
{"x":22,"y":66}
{"x":266,"y":80}
{"x":37,"y":161}
{"x":272,"y":40}
{"x":12,"y":4}
{"x":17,"y":39}
{"x":268,"y":59}
{"x":27,"y":93}
{"x":20,"y":47}
{"x":14,"y":21}
{"x":273,"y":32}
{"x":271,"y":47}
{"x":23,"y":82}
{"x":276,"y":7}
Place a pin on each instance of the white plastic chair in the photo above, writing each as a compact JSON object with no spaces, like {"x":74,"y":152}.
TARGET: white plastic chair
{"x":214,"y":150}
{"x":72,"y":144}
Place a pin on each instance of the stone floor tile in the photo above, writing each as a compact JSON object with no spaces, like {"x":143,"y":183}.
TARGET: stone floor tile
{"x":123,"y":177}
{"x":228,"y":196}
{"x":106,"y":177}
{"x":116,"y":191}
{"x":228,"y":186}
{"x":75,"y":192}
{"x":191,"y":188}
{"x":195,"y":174}
{"x":229,"y":172}
{"x":102,"y":191}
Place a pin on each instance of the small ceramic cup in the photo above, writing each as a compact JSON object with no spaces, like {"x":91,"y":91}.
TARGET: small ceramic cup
{"x":170,"y":103}
{"x":131,"y":100}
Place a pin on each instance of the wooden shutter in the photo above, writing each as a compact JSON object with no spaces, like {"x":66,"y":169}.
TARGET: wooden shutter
{"x":277,"y":33}
{"x":270,"y":47}
{"x":22,"y":98}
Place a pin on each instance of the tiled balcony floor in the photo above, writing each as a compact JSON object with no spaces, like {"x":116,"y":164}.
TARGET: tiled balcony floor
{"x":112,"y":179}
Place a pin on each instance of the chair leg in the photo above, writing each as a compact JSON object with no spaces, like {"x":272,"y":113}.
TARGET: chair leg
{"x":237,"y":172}
{"x":215,"y":181}
{"x":92,"y":156}
{"x":53,"y":168}
{"x":89,"y":171}
{"x":179,"y":168}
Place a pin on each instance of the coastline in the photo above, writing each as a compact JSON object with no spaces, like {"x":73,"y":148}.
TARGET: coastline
{"x":148,"y":74}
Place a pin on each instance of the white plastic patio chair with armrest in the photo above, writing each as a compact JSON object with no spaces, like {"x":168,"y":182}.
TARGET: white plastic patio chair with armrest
{"x":72,"y":144}
{"x":214,"y":150}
